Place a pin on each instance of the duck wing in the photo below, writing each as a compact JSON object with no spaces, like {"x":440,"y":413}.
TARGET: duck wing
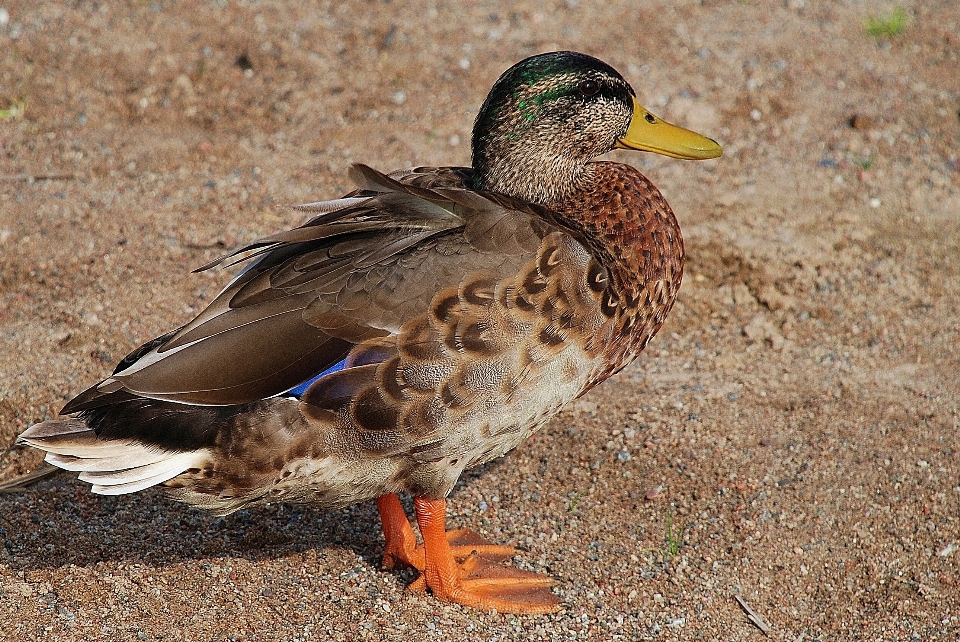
{"x":356,"y":271}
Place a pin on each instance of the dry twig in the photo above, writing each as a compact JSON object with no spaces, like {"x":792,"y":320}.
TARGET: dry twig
{"x":753,"y":617}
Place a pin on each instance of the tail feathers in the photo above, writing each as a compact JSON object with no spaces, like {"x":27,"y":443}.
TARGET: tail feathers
{"x":72,"y":437}
{"x":54,"y":428}
{"x":112,"y":466}
{"x":130,"y":480}
{"x":104,"y":463}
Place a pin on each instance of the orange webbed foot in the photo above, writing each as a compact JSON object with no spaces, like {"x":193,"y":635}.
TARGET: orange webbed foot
{"x":465,"y":542}
{"x":460,"y":565}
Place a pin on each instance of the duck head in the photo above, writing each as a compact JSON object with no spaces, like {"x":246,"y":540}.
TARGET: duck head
{"x":549,"y":115}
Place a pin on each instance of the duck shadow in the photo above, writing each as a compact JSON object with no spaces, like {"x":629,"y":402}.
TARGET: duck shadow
{"x":58,"y":522}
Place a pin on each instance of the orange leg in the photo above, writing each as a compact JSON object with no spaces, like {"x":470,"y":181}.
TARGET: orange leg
{"x":476,"y":582}
{"x":401,"y":547}
{"x":401,"y":544}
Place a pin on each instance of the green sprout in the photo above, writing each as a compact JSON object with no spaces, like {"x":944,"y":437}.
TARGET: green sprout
{"x":572,"y":506}
{"x":887,"y":26}
{"x":15,"y":111}
{"x":863,"y":163}
{"x":674,"y":540}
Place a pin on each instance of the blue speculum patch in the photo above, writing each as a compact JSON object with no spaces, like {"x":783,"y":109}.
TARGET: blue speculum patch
{"x":302,"y":388}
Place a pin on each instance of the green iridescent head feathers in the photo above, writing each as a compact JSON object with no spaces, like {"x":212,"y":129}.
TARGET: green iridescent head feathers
{"x":544,"y":119}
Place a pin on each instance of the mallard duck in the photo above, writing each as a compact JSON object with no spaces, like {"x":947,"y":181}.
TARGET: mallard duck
{"x":425,"y":323}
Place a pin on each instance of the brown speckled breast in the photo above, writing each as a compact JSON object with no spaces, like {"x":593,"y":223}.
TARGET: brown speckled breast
{"x":632,"y":231}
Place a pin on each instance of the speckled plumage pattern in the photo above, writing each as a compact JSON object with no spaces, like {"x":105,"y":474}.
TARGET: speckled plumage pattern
{"x":428,"y":322}
{"x":489,"y":358}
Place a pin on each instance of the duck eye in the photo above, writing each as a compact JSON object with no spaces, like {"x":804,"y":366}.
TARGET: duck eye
{"x":588,"y":87}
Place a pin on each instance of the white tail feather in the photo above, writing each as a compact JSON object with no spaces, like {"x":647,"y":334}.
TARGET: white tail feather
{"x":113,"y":466}
{"x":108,"y":461}
{"x":86,"y":446}
{"x":132,"y":480}
{"x":178,"y":461}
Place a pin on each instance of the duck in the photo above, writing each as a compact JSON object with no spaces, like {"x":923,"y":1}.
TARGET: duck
{"x":427,"y":322}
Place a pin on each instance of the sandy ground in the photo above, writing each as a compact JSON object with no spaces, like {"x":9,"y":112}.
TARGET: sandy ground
{"x":791,"y":437}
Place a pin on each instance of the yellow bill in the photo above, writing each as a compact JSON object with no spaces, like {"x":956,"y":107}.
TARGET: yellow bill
{"x":651,"y":134}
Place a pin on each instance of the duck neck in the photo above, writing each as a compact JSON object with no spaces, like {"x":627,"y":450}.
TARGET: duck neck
{"x":536,"y":178}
